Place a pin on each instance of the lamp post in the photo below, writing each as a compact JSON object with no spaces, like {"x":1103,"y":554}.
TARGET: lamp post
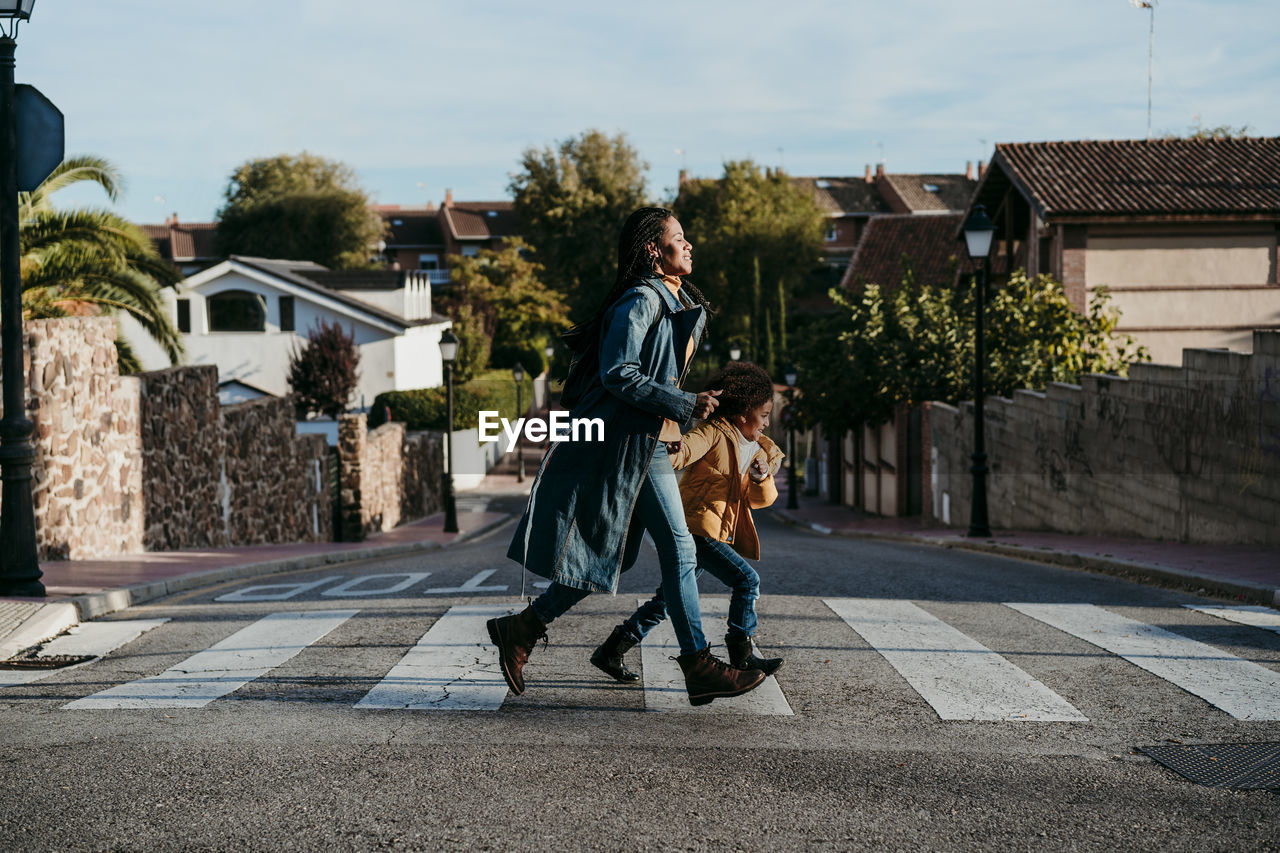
{"x":19,"y":565}
{"x":978,"y":231}
{"x":735,"y":351}
{"x":448,"y":353}
{"x":517,"y":373}
{"x":789,"y":376}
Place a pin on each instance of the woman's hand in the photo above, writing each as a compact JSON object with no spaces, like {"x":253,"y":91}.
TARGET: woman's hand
{"x":758,"y":470}
{"x":706,"y":404}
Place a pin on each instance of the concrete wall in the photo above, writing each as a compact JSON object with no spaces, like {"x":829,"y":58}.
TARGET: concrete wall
{"x":1188,"y":453}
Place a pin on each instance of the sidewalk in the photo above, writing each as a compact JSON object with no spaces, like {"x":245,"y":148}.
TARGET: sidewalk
{"x":79,"y":590}
{"x":1242,"y":572}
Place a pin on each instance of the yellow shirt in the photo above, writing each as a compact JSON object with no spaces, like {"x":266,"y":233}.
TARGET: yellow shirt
{"x":670,"y":429}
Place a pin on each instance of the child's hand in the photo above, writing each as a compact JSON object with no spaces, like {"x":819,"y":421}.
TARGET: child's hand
{"x":673,"y":447}
{"x":758,"y":470}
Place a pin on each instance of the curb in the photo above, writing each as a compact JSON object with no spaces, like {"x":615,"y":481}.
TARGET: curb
{"x":56,"y":617}
{"x":1133,"y":570}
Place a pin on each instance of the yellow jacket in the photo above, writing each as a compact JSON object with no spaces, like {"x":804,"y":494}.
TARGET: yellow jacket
{"x":717,"y":500}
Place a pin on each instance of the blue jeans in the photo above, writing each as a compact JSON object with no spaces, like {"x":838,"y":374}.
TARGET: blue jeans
{"x":661,"y":512}
{"x":726,"y":566}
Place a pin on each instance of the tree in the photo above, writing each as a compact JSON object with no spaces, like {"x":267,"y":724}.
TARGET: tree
{"x":299,"y":207}
{"x":323,"y":372}
{"x":92,"y":261}
{"x":757,"y":237}
{"x":473,"y":344}
{"x":915,"y":344}
{"x":504,"y":288}
{"x":573,"y":198}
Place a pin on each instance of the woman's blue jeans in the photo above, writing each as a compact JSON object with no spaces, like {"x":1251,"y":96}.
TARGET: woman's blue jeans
{"x":661,"y":512}
{"x":726,"y":566}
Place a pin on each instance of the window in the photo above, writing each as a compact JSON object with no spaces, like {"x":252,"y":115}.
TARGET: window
{"x":822,"y":184}
{"x":286,"y":314}
{"x":428,"y":262}
{"x":833,"y":232}
{"x":184,"y":316}
{"x":493,"y":214}
{"x":470,"y":251}
{"x":237,"y":311}
{"x":930,"y":188}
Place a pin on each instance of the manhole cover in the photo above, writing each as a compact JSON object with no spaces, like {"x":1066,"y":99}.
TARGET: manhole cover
{"x":1222,"y":765}
{"x":44,"y":662}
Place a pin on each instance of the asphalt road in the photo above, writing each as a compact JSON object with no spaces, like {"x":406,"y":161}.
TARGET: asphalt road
{"x":861,"y":758}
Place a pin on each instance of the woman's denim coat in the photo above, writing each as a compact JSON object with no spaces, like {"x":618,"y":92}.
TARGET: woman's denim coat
{"x":578,"y":521}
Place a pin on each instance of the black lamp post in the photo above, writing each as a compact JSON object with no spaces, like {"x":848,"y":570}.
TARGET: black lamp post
{"x":19,"y":565}
{"x":448,"y":353}
{"x":735,"y":351}
{"x":789,"y":376}
{"x":978,"y":231}
{"x":517,"y":373}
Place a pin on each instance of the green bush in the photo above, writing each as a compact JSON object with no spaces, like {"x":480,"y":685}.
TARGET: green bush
{"x":425,"y":408}
{"x":499,"y":389}
{"x":530,"y":356}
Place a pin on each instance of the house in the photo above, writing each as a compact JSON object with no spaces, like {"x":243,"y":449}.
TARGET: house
{"x":248,"y":315}
{"x":1182,"y":232}
{"x":893,"y":244}
{"x":414,"y":240}
{"x":189,"y":246}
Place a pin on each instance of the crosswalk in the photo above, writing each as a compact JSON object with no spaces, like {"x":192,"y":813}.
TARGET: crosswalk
{"x":453,"y":667}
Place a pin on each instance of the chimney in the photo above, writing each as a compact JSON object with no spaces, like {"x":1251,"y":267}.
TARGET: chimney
{"x":968,"y":170}
{"x":982,"y":168}
{"x":880,"y":169}
{"x":867,"y":177}
{"x":448,"y":198}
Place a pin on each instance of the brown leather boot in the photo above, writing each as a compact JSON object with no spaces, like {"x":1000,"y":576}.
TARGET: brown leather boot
{"x":515,"y":636}
{"x":707,"y":677}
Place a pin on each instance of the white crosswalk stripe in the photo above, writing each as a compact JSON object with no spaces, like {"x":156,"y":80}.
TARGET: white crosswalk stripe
{"x":1246,"y":614}
{"x":1242,"y":688}
{"x":959,"y":677}
{"x":451,"y":668}
{"x":664,"y":682}
{"x":224,"y":667}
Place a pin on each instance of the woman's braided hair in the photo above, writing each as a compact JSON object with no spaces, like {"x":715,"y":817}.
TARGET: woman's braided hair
{"x":746,"y":386}
{"x":643,"y":226}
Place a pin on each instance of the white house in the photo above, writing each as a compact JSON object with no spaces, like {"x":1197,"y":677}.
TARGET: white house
{"x":248,"y":315}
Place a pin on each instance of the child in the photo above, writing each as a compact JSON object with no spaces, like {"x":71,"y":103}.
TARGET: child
{"x":731,"y":464}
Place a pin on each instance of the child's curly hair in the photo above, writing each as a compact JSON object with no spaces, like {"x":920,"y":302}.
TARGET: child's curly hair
{"x":746,"y":386}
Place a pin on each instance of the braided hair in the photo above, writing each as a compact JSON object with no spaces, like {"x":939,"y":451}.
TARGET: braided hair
{"x":643,"y":226}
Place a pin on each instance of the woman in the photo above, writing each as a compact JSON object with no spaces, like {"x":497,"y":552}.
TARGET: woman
{"x":592,"y":501}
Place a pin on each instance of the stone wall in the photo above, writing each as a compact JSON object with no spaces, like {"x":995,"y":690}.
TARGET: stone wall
{"x":388,"y":476}
{"x":183,"y":446}
{"x":87,"y":476}
{"x":1187,"y":453}
{"x":275,"y":480}
{"x":153,"y":462}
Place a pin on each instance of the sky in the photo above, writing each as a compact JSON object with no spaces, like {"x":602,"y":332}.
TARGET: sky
{"x":418,"y":96}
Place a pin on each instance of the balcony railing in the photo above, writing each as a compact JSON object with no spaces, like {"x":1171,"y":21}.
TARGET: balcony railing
{"x":437,"y":276}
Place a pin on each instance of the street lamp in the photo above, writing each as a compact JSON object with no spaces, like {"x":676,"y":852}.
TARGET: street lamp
{"x":978,"y":231}
{"x":789,"y":376}
{"x":449,"y":352}
{"x":517,"y":373}
{"x":19,"y":564}
{"x":735,"y":351}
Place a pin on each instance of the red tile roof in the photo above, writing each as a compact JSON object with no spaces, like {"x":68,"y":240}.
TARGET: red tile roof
{"x":185,"y":241}
{"x":419,"y":229}
{"x":1146,"y":177}
{"x":920,"y":193}
{"x":842,"y":196}
{"x":482,"y":220}
{"x":891,"y":244}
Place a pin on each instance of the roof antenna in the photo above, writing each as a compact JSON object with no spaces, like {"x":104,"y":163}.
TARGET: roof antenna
{"x":1149,"y":5}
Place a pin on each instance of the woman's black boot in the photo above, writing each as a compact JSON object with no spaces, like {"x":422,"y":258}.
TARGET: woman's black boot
{"x":609,"y":657}
{"x":743,"y":656}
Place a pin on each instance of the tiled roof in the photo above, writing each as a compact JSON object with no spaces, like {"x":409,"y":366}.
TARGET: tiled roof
{"x":482,"y":220}
{"x":1151,"y":177}
{"x":924,"y":193}
{"x":301,"y":273}
{"x":927,"y":242}
{"x":416,"y":228}
{"x":357,"y":279}
{"x":185,"y":241}
{"x":836,"y":196}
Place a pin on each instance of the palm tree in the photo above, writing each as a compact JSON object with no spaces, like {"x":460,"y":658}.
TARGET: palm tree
{"x":90,"y":260}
